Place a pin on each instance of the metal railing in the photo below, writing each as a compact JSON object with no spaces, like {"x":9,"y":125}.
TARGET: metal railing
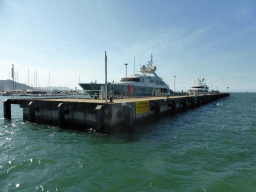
{"x":48,"y":95}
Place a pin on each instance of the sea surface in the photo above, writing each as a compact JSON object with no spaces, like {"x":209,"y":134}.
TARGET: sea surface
{"x":210,"y":148}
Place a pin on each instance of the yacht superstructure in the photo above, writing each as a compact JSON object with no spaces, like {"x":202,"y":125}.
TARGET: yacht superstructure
{"x":199,"y":87}
{"x":147,"y":83}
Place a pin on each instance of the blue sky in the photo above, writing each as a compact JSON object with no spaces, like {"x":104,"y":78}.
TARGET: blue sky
{"x":212,"y":39}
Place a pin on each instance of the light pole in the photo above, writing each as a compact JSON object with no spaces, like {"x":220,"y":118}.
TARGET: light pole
{"x":126,"y":77}
{"x":126,"y":72}
{"x":17,"y":79}
{"x":174,"y":84}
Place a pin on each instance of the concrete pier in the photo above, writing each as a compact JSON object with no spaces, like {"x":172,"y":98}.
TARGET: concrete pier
{"x":90,"y":113}
{"x":7,"y":109}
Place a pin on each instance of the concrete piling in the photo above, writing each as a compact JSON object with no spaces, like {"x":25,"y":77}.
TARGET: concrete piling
{"x":7,"y":109}
{"x":203,"y":100}
{"x":61,"y":114}
{"x":192,"y":103}
{"x":198,"y":101}
{"x":99,"y":118}
{"x":184,"y":102}
{"x":31,"y":111}
{"x":156,"y":110}
{"x":128,"y":116}
{"x":173,"y":107}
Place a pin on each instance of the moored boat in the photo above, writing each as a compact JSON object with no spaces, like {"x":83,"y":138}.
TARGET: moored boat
{"x":147,"y":83}
{"x":199,"y":87}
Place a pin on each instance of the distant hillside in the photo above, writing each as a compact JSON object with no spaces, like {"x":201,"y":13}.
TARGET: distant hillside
{"x":54,"y":88}
{"x":8,"y":85}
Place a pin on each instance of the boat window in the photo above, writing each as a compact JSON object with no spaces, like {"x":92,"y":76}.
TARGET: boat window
{"x":130,"y":79}
{"x":198,"y":87}
{"x":164,"y":90}
{"x":158,"y":82}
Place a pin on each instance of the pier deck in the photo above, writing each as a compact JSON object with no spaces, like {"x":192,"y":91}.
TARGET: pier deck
{"x":88,"y":100}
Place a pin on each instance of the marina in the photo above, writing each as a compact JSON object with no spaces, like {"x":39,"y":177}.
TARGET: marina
{"x":171,"y":107}
{"x":104,"y":116}
{"x":106,"y":107}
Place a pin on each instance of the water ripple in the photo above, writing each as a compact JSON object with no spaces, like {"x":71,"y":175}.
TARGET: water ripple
{"x":210,"y":148}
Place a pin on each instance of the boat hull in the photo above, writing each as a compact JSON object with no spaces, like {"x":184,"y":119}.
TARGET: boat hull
{"x":90,"y":86}
{"x":122,"y":90}
{"x":197,"y":92}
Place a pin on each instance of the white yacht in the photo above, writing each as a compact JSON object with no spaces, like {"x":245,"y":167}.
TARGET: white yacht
{"x":147,"y":83}
{"x":199,"y":87}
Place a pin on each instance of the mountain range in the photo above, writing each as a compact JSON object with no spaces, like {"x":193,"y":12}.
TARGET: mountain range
{"x":10,"y":85}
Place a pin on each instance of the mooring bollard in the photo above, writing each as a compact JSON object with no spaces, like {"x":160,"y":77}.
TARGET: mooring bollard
{"x":7,"y":109}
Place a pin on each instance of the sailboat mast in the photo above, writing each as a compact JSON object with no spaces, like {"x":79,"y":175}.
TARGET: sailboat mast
{"x":13,"y":75}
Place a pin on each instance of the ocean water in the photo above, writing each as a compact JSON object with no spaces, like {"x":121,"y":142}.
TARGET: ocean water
{"x":210,"y":148}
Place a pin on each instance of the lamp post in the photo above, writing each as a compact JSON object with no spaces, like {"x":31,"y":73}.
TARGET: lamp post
{"x":174,"y":84}
{"x":126,"y":72}
{"x":106,"y":78}
{"x":17,"y":80}
{"x":126,"y":76}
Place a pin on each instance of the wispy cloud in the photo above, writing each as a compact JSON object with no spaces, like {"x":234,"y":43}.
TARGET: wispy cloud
{"x":244,"y":10}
